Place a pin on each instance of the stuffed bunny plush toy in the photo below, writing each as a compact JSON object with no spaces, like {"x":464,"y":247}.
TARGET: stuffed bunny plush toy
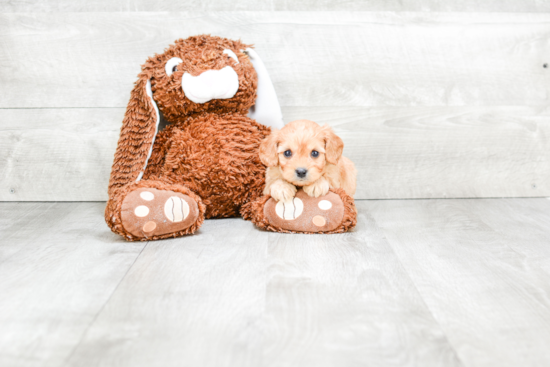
{"x":220,"y":104}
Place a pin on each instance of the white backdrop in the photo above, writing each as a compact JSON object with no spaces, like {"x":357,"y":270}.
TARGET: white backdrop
{"x":432,"y":99}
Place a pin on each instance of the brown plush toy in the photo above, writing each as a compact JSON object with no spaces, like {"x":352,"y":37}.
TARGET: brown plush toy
{"x":220,"y":104}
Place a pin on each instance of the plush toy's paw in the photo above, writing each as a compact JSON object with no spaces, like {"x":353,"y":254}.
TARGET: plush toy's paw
{"x":332,"y":213}
{"x":148,"y":212}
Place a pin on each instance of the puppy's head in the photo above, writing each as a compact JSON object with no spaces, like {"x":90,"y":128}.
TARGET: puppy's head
{"x":301,"y":149}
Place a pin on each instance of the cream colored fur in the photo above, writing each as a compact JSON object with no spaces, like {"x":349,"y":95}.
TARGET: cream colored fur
{"x":328,"y":170}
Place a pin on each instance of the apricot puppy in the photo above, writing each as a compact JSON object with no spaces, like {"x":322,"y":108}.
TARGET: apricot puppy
{"x":304,"y":154}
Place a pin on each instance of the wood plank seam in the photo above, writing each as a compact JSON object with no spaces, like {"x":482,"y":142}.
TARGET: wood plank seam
{"x":75,"y":347}
{"x":410,"y":278}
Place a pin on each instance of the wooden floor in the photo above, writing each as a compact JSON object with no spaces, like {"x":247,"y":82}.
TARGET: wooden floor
{"x":418,"y":283}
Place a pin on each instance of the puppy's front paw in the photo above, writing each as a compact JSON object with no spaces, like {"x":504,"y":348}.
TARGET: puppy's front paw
{"x":318,"y":188}
{"x":282,"y":191}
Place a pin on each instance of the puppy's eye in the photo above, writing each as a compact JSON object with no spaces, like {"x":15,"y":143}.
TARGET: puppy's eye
{"x":172,"y":65}
{"x":288,"y":153}
{"x":314,"y":153}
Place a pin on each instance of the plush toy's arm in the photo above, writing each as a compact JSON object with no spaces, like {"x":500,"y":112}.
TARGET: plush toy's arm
{"x":137,"y":136}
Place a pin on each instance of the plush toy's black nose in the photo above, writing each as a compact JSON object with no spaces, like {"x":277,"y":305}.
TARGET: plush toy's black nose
{"x":301,"y":172}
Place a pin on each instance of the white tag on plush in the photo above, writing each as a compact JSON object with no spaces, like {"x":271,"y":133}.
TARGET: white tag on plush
{"x":266,"y":111}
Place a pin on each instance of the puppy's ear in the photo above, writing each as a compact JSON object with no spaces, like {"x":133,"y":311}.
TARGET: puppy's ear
{"x":334,"y":146}
{"x":268,"y":149}
{"x":137,"y":135}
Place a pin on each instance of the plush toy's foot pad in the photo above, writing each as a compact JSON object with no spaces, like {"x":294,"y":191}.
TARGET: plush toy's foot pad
{"x":306,"y":214}
{"x":148,"y":212}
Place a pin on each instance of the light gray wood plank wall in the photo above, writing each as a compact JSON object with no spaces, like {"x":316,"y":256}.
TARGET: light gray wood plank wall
{"x":429,"y":104}
{"x":314,"y":58}
{"x":57,"y":154}
{"x":274,"y":5}
{"x":430,"y":152}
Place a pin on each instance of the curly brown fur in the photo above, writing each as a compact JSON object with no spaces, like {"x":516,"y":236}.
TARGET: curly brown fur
{"x":136,"y":134}
{"x":199,"y":54}
{"x":210,"y":149}
{"x":300,"y":139}
{"x":254,"y":212}
{"x":216,"y":156}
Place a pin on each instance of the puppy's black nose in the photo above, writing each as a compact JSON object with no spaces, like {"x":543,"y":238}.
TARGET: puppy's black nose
{"x":301,"y":172}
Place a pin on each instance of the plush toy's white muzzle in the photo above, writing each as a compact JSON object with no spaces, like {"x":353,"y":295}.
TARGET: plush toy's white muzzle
{"x":223,"y":84}
{"x":212,"y":84}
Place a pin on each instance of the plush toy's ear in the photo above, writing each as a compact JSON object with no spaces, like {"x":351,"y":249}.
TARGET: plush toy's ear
{"x":268,"y":150}
{"x":137,"y":135}
{"x":334,"y":146}
{"x":266,"y":111}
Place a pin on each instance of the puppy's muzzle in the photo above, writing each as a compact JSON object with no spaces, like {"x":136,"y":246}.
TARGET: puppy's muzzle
{"x":212,"y":84}
{"x":301,"y":172}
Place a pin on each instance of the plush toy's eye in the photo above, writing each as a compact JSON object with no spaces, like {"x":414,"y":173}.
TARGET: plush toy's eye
{"x":172,"y":65}
{"x":231,"y":54}
{"x":314,"y":153}
{"x":288,"y":153}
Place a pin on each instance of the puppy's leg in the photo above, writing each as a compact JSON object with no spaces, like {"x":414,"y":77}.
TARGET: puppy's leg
{"x":282,"y":191}
{"x":276,"y":186}
{"x":348,"y":175}
{"x":318,"y":188}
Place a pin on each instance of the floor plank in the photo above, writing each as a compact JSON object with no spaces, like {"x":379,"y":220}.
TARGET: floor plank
{"x":208,"y":293}
{"x":59,"y":264}
{"x":195,"y":301}
{"x":417,"y":283}
{"x":482,"y":267}
{"x":345,"y":300}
